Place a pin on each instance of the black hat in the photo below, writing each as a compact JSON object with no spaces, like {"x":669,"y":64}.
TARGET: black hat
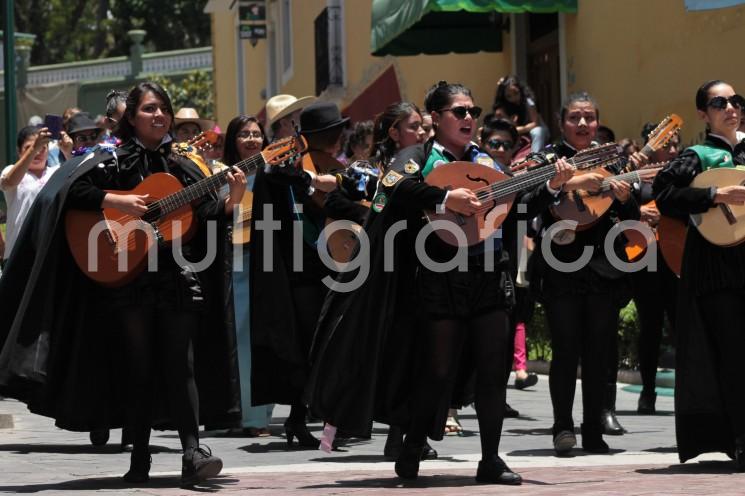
{"x":82,"y":121}
{"x":320,"y":116}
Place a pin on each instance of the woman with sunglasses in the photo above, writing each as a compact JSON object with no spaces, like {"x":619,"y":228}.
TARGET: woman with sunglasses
{"x":582,"y":304}
{"x":709,"y":389}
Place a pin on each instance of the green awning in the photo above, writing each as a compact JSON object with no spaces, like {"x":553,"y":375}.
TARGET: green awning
{"x":410,"y":27}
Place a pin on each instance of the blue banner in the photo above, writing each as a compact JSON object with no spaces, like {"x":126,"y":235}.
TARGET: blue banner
{"x":711,"y":4}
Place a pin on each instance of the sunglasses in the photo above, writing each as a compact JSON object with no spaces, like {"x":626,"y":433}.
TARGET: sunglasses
{"x":497,"y":143}
{"x":460,"y":112}
{"x":82,"y":138}
{"x":720,"y":102}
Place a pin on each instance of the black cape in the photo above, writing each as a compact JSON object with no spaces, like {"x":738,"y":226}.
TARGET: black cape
{"x":55,"y":351}
{"x":366,"y":350}
{"x":701,"y":424}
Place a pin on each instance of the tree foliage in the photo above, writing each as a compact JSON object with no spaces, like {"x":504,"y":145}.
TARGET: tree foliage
{"x":73,"y":30}
{"x":195,"y":91}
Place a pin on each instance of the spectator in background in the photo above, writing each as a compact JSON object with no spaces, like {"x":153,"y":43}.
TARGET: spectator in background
{"x":427,"y":126}
{"x":359,"y":142}
{"x":61,"y":150}
{"x":629,"y":146}
{"x":187,"y":124}
{"x":517,"y":100}
{"x":283,"y":114}
{"x":22,"y":181}
{"x":84,"y":132}
{"x":605,"y":135}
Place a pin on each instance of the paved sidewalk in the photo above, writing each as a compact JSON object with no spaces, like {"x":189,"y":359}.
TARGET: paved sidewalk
{"x":35,"y":457}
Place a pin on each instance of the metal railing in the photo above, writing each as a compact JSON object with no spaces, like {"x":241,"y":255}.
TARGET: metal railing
{"x":115,"y":67}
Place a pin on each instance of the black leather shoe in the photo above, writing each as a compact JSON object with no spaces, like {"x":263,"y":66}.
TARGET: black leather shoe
{"x":407,"y":465}
{"x":393,"y":443}
{"x":510,"y":412}
{"x":529,"y":381}
{"x":564,"y":441}
{"x":611,"y":427}
{"x":592,"y":440}
{"x":197,"y":465}
{"x":99,"y":437}
{"x":428,"y":452}
{"x":646,"y":405}
{"x":139,"y":467}
{"x":493,"y":470}
{"x":304,"y":437}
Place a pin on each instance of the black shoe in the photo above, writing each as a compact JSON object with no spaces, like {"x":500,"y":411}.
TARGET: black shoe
{"x":429,"y":453}
{"x":646,"y":404}
{"x":510,"y":412}
{"x":611,"y":427}
{"x":99,"y":437}
{"x":198,"y":465}
{"x":139,"y":467}
{"x":393,"y":443}
{"x":564,"y":441}
{"x":529,"y":381}
{"x":592,"y":439}
{"x":493,"y":470}
{"x":304,"y":438}
{"x":407,"y":465}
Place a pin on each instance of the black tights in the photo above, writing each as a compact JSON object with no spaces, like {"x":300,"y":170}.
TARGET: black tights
{"x":150,"y":336}
{"x":444,"y":340}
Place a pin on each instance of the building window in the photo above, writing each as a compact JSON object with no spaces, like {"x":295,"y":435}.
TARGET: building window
{"x":329,"y":47}
{"x":285,"y":35}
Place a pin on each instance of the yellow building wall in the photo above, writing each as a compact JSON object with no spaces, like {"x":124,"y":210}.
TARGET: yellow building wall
{"x":479,"y":72}
{"x":225,"y":80}
{"x":643,"y":59}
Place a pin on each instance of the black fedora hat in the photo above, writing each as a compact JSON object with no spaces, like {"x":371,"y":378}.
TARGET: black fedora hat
{"x":320,"y":116}
{"x":82,"y":121}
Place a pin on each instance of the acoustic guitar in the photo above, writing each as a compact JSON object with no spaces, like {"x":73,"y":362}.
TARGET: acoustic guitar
{"x":112,"y":247}
{"x":497,"y":191}
{"x":586,"y":208}
{"x":242,"y":223}
{"x":671,"y":239}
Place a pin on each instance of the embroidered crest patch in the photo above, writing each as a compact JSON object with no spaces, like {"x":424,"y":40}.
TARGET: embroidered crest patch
{"x":379,"y":202}
{"x":391,"y":179}
{"x":411,"y":167}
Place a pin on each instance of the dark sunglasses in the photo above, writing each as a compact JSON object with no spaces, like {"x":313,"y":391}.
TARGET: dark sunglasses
{"x":82,"y":138}
{"x":460,"y":112}
{"x":720,"y":102}
{"x":497,"y":143}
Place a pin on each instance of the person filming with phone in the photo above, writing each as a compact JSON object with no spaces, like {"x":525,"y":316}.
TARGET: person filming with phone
{"x":21,"y":182}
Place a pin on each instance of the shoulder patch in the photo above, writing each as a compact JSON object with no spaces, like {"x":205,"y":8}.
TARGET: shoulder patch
{"x":411,"y":167}
{"x":391,"y":178}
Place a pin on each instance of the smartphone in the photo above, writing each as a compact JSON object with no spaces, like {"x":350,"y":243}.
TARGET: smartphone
{"x":53,"y":122}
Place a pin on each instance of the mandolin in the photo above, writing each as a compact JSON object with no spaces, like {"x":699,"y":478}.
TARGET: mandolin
{"x":586,"y":208}
{"x":723,"y":224}
{"x":497,"y":191}
{"x":112,"y":247}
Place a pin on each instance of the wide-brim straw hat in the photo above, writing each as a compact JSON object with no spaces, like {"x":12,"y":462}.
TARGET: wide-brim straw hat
{"x":187,"y":114}
{"x":280,"y":106}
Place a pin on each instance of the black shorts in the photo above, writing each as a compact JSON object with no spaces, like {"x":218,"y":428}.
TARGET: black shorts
{"x":461,"y":295}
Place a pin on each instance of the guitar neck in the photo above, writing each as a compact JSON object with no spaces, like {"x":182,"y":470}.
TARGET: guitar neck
{"x":205,"y":186}
{"x":636,"y":176}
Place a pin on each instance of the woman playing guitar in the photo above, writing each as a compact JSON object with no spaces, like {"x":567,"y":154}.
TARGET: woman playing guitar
{"x":157,"y":314}
{"x":582,"y":304}
{"x":710,"y":403}
{"x":457,"y":307}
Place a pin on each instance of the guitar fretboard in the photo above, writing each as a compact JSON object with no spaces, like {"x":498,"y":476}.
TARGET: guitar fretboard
{"x":201,"y":188}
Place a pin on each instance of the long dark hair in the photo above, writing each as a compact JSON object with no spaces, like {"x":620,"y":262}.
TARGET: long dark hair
{"x":126,"y":131}
{"x":384,"y":148}
{"x":519,"y":109}
{"x":230,"y":155}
